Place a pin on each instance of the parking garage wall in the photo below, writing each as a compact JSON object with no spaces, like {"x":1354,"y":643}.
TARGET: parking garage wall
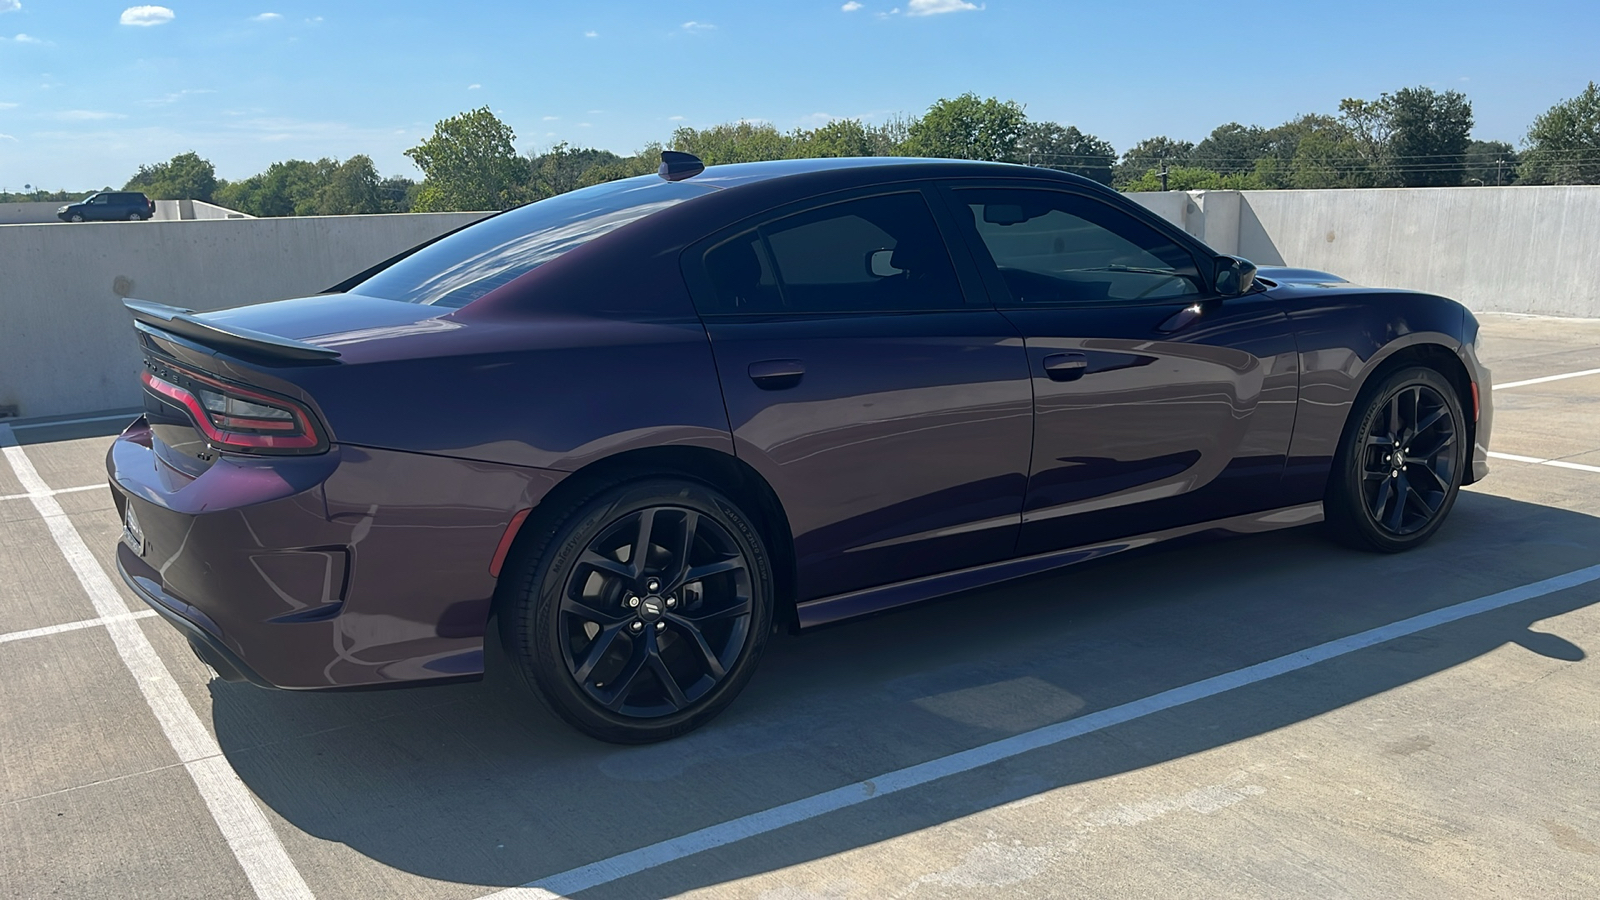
{"x":66,"y":345}
{"x":1509,"y":249}
{"x":66,"y":342}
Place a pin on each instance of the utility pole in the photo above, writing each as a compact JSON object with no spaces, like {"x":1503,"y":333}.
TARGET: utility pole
{"x":1163,"y":174}
{"x":1499,"y":166}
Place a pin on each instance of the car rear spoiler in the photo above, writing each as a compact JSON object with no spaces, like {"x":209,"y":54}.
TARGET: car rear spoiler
{"x":230,"y":338}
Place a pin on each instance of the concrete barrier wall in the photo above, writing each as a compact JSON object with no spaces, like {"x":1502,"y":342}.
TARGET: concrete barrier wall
{"x":1508,"y":249}
{"x":66,"y":342}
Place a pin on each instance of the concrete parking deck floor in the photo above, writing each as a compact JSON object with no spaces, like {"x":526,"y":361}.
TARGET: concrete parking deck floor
{"x":1458,"y":759}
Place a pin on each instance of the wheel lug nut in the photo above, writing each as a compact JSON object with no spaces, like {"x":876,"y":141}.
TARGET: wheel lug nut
{"x":672,"y":602}
{"x":636,"y":627}
{"x":633,"y":601}
{"x":652,"y":585}
{"x":661,"y":626}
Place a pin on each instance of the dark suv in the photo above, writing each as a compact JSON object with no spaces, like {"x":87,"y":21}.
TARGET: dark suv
{"x":108,"y":206}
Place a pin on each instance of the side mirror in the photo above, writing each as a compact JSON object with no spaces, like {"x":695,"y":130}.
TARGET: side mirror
{"x":880,"y":264}
{"x":1235,"y":276}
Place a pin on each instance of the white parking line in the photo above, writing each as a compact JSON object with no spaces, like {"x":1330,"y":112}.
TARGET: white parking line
{"x":1514,"y":384}
{"x":248,"y":833}
{"x":126,"y":417}
{"x":48,"y":630}
{"x":1558,"y":463}
{"x":633,"y":862}
{"x":53,"y":492}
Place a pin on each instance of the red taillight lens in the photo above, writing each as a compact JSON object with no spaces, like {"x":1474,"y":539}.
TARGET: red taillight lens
{"x":236,"y":418}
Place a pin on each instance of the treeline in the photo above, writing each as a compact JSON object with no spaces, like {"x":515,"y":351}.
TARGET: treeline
{"x":1414,"y":137}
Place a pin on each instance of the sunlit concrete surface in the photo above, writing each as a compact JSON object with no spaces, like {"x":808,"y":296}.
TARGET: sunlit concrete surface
{"x":1459,"y":761}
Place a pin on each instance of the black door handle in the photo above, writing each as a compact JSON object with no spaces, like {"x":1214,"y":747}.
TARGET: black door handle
{"x":777,"y":374}
{"x":1066,"y":366}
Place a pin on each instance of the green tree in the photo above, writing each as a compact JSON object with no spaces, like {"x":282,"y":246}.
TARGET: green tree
{"x":1148,"y":154}
{"x":1430,"y":133}
{"x":1490,"y":163}
{"x":184,"y":177}
{"x":734,"y":142}
{"x":1193,"y":178}
{"x":968,"y":128}
{"x":1330,"y":158}
{"x":1563,"y":146}
{"x":351,"y":188}
{"x":1067,"y":149}
{"x":1232,"y":149}
{"x":470,"y":163}
{"x":1273,"y":169}
{"x":1368,"y":127}
{"x":841,"y":137}
{"x":563,"y":168}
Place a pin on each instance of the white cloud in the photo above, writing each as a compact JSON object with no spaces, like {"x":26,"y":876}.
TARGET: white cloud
{"x":267,"y":17}
{"x":86,"y":115}
{"x":145,"y":16}
{"x":10,"y":6}
{"x":674,"y":118}
{"x":9,"y":105}
{"x":935,"y":7}
{"x":27,"y":39}
{"x":551,"y":118}
{"x":591,"y":34}
{"x":473,"y":87}
{"x":698,"y":26}
{"x":585,"y":125}
{"x":852,"y":6}
{"x":176,"y":96}
{"x":8,"y":137}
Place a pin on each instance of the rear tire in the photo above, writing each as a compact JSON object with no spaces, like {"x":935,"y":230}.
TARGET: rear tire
{"x":634,"y":647}
{"x":134,"y":217}
{"x":1400,"y":463}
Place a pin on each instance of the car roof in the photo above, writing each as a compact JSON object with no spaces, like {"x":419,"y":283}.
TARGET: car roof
{"x":866,"y":169}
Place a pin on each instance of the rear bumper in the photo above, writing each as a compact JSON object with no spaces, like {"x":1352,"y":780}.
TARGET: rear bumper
{"x":356,"y":568}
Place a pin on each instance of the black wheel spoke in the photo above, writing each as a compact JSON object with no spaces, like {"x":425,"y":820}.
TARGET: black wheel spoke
{"x":1381,"y":501}
{"x":702,"y":572}
{"x":1430,"y":421}
{"x":713,"y":665}
{"x":664,"y":675}
{"x":1438,"y":448}
{"x":1397,"y":512}
{"x":641,"y":544}
{"x":1394,"y":417}
{"x":732,"y":611}
{"x":578,"y":607}
{"x":680,"y":562}
{"x":623,"y":683}
{"x":597,"y":651}
{"x":1422,"y":501}
{"x":606,"y":565}
{"x":1444,"y":486}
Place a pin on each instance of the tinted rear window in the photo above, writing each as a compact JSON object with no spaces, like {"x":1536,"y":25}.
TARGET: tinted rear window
{"x":466,"y":265}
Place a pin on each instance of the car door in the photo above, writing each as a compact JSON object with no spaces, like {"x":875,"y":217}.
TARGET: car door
{"x":874,"y":388}
{"x":98,"y":208}
{"x":1157,"y":402}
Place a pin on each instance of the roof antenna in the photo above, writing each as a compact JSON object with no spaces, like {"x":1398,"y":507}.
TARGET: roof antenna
{"x":677,"y":166}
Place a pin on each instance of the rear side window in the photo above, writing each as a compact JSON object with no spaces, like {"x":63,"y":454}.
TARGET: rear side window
{"x":1053,"y":247}
{"x":875,"y":254}
{"x":466,"y":265}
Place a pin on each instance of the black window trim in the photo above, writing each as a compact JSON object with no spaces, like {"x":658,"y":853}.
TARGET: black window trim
{"x":1000,"y":295}
{"x":969,"y":278}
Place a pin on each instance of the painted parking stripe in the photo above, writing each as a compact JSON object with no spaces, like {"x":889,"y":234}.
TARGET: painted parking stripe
{"x":125,"y":417}
{"x":53,"y":491}
{"x":1538,"y":461}
{"x":245,"y":827}
{"x":48,"y":630}
{"x":633,"y":862}
{"x":1515,"y":384}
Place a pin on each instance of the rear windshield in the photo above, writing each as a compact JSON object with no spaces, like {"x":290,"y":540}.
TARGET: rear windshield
{"x":466,"y":265}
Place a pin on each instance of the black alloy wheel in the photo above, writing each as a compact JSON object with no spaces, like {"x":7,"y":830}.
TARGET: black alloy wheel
{"x":653,"y":601}
{"x":1398,"y":472}
{"x":134,"y":217}
{"x":76,"y":217}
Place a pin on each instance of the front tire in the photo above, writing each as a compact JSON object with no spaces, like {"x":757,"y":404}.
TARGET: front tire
{"x":643,"y":614}
{"x":1400,"y":463}
{"x":75,"y":217}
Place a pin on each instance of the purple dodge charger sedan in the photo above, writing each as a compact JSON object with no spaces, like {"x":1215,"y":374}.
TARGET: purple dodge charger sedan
{"x":637,"y":427}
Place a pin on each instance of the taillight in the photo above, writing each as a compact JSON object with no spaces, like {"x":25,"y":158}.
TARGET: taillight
{"x":236,"y":418}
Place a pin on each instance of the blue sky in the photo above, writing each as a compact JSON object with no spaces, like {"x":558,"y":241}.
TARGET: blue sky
{"x":89,"y":90}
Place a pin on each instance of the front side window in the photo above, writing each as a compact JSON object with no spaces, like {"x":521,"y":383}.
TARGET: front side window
{"x":100,"y":198}
{"x":466,"y":265}
{"x":1053,"y":247}
{"x":875,"y":254}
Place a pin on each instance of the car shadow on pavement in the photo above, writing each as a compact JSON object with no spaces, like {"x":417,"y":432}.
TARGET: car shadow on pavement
{"x":477,"y":784}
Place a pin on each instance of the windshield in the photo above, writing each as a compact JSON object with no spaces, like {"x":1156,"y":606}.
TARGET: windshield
{"x":466,"y":265}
